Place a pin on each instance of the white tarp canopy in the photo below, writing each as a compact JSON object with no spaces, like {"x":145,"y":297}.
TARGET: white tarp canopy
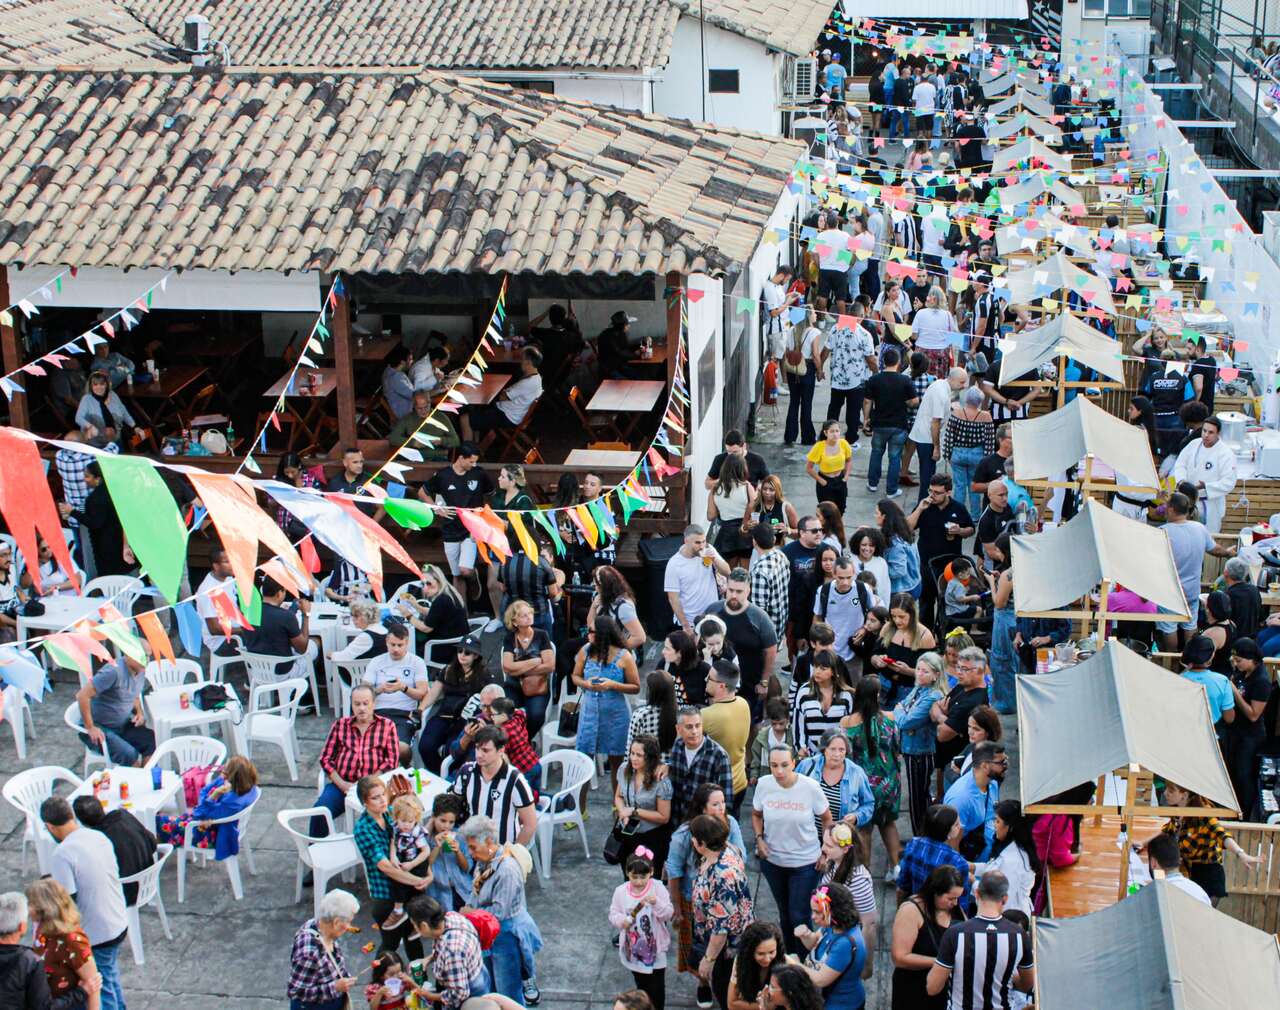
{"x":995,"y":82}
{"x":1113,"y":710}
{"x":1024,"y":121}
{"x":1159,"y":949}
{"x":1035,"y":187}
{"x":1049,"y":444}
{"x":1025,"y":150}
{"x":1020,"y":235}
{"x":1022,"y":99}
{"x":1059,"y":566}
{"x":934,"y":10}
{"x":1058,"y":273}
{"x":1062,"y":335}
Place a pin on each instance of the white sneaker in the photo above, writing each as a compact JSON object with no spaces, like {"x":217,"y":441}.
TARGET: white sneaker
{"x":493,"y":625}
{"x":895,"y":494}
{"x":891,"y":875}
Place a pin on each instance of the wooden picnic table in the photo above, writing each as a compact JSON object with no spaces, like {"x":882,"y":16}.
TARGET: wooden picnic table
{"x":296,"y":389}
{"x":590,"y":458}
{"x":158,"y":404}
{"x":1091,"y":883}
{"x":373,"y":348}
{"x":491,"y":385}
{"x":634,"y":397}
{"x":659,"y":356}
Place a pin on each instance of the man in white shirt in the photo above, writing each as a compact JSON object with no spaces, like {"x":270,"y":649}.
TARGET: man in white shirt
{"x":85,"y":864}
{"x":399,"y":682}
{"x":833,"y":269}
{"x":1209,"y":464}
{"x":925,"y":98}
{"x":220,"y":577}
{"x":776,"y":303}
{"x":1165,"y":860}
{"x":931,"y":416}
{"x":690,"y":578}
{"x":427,"y":371}
{"x":843,"y":604}
{"x":512,"y":404}
{"x":1189,"y":542}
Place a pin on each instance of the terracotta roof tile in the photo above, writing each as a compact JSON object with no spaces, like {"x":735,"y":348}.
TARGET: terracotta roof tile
{"x":377,"y":171}
{"x":75,"y":32}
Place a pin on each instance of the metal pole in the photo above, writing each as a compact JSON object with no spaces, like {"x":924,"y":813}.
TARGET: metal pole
{"x":702,"y":45}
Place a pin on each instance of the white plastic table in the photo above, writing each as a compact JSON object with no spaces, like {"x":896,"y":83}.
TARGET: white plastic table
{"x":167,"y":714}
{"x":144,"y":800}
{"x":432,"y":786}
{"x":59,"y":612}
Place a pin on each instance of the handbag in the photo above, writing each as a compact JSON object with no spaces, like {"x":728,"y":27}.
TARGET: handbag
{"x":617,"y":840}
{"x":568,"y":721}
{"x":211,"y":698}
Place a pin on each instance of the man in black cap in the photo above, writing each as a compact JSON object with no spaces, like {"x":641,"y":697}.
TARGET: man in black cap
{"x":615,"y":347}
{"x":1196,"y":656}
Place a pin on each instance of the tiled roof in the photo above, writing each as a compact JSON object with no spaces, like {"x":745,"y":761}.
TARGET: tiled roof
{"x":792,"y":26}
{"x":435,"y":33}
{"x":398,"y":172}
{"x":74,"y":32}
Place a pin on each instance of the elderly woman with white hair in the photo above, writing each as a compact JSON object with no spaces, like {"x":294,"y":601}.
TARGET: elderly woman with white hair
{"x":371,"y":637}
{"x":318,"y":975}
{"x":22,"y":979}
{"x":967,"y":439}
{"x":499,"y":890}
{"x":933,"y":327}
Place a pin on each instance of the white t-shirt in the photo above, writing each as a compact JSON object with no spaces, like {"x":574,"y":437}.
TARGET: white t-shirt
{"x":694,"y":581}
{"x":775,"y":296}
{"x":844,"y":614}
{"x":85,"y":864}
{"x":520,"y":396}
{"x":933,"y":329}
{"x":789,"y":814}
{"x":422,"y":374}
{"x":934,"y":405}
{"x":411,"y":671}
{"x":933,"y":231}
{"x":925,"y":97}
{"x":834,"y":241}
{"x":205,"y":608}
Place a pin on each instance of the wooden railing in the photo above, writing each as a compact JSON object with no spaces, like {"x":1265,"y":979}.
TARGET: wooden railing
{"x":1253,"y":895}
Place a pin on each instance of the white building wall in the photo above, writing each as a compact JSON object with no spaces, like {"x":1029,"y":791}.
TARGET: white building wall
{"x":625,"y":94}
{"x":754,"y":107}
{"x":706,"y":386}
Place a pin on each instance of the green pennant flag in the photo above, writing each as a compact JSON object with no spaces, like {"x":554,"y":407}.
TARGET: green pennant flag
{"x":540,"y":517}
{"x":603,"y":523}
{"x":409,"y":513}
{"x":253,"y":609}
{"x":150,"y":517}
{"x":629,"y":502}
{"x":125,"y":641}
{"x":60,"y":656}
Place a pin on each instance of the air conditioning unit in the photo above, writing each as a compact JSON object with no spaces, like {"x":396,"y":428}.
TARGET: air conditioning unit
{"x":804,"y":79}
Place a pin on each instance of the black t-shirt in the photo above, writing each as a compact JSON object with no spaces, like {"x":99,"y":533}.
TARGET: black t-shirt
{"x":992,"y":524}
{"x":750,"y":632}
{"x":134,"y":845}
{"x":931,"y":529}
{"x":1207,"y":368}
{"x":467,"y":490}
{"x":273,"y":635}
{"x":804,"y":576}
{"x":962,"y":703}
{"x":969,"y":154}
{"x":1255,"y":687}
{"x":1008,"y":391}
{"x":989,"y":468}
{"x":1246,"y":608}
{"x":757,"y":468}
{"x":339,"y":484}
{"x":889,"y":393}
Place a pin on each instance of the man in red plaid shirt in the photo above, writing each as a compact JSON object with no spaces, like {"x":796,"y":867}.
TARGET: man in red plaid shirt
{"x":359,"y":744}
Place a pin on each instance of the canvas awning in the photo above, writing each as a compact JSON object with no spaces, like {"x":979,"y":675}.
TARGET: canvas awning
{"x":1035,"y":187}
{"x":1159,"y":949}
{"x":1055,"y":568}
{"x":1022,"y":99}
{"x":1047,"y":445}
{"x":1058,"y":273}
{"x":1026,"y":149}
{"x":1113,"y":710}
{"x":1024,"y":121}
{"x":1065,"y":334}
{"x":995,"y":82}
{"x":1021,"y":235}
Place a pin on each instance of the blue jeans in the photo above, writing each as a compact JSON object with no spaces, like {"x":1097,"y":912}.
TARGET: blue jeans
{"x":937,"y":131}
{"x":1004,"y":662}
{"x":332,"y":799}
{"x":792,"y":887}
{"x":893,"y":439}
{"x":964,"y":463}
{"x":435,"y":736}
{"x":928,"y":466}
{"x":800,"y":407}
{"x":506,"y":960}
{"x":125,"y":744}
{"x":1268,"y":640}
{"x":106,"y":957}
{"x":898,"y":117}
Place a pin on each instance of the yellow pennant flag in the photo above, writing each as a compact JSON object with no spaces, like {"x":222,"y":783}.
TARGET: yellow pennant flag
{"x":902,"y":331}
{"x":957,"y":284}
{"x":522,"y":534}
{"x":588,"y":523}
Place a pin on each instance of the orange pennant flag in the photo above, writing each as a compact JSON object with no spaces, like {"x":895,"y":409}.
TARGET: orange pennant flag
{"x":161,"y":647}
{"x":588,"y":524}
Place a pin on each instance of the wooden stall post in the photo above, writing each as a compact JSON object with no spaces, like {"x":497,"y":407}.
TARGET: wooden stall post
{"x":343,"y":362}
{"x":1102,"y":611}
{"x":11,"y":353}
{"x":1088,"y":476}
{"x":1130,"y":803}
{"x":1062,"y":381}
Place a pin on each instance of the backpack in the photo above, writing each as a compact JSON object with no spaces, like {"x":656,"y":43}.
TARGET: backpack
{"x":864,"y":599}
{"x":486,"y":925}
{"x":793,"y":356}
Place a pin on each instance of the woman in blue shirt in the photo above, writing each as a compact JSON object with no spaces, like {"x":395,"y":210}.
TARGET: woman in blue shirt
{"x":900,"y":553}
{"x":227,"y":792}
{"x":837,"y":951}
{"x":844,"y":783}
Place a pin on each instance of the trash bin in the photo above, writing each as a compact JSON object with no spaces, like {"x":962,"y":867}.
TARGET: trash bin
{"x":656,"y":613}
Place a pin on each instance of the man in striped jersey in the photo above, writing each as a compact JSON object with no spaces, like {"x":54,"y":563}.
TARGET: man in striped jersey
{"x":493,"y":787}
{"x":984,"y":958}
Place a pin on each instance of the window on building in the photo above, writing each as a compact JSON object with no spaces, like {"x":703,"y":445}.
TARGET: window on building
{"x":722,"y":82}
{"x":1117,"y":8}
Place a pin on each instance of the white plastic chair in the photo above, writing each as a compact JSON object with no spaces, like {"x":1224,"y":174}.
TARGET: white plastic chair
{"x":325,"y":857}
{"x":148,"y":882}
{"x":188,"y":752}
{"x":162,"y":673}
{"x":274,"y":724}
{"x":437,"y":666}
{"x":15,"y":707}
{"x":446,"y":766}
{"x":551,"y":738}
{"x":91,"y":757}
{"x":348,"y":673}
{"x":232,"y":863}
{"x":217,"y":663}
{"x":122,"y":590}
{"x":25,"y":792}
{"x":263,"y":669}
{"x":577,"y":769}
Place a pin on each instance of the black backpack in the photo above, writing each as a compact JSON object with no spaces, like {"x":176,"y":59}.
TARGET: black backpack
{"x":864,"y":599}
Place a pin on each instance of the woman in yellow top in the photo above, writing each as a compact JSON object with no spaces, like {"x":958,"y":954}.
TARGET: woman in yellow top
{"x":830,"y":462}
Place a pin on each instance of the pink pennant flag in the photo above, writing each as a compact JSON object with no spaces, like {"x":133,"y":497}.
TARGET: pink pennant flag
{"x":695,"y":295}
{"x":34,"y":369}
{"x":1227,"y":374}
{"x":106,"y":325}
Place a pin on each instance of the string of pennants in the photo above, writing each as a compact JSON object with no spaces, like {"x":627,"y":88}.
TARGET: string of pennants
{"x":46,"y":291}
{"x":124,"y":318}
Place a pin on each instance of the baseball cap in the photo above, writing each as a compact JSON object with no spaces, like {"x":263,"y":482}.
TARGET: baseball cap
{"x":620,"y":318}
{"x":470,"y":644}
{"x":1199,"y":650}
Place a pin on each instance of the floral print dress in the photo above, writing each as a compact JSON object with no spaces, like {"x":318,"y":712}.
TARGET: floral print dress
{"x":880,"y":762}
{"x":721,"y":900}
{"x":64,"y":954}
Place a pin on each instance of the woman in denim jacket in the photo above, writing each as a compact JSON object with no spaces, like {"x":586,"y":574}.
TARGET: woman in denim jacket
{"x":900,"y":553}
{"x":840,"y":778}
{"x":918,"y":734}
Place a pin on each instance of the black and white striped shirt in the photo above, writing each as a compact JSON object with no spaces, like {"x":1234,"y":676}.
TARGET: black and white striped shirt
{"x":502,"y":797}
{"x":809,"y":722}
{"x":984,"y":956}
